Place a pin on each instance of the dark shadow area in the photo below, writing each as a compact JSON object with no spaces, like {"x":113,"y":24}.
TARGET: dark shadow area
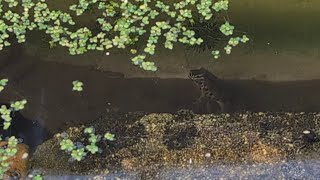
{"x":294,"y":96}
{"x":31,"y":132}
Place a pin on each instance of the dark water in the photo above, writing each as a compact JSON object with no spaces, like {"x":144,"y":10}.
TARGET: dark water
{"x":60,"y":109}
{"x":54,"y":106}
{"x":30,"y":132}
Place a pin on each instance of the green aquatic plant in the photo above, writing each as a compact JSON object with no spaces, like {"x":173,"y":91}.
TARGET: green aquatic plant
{"x":77,"y":150}
{"x":78,"y":154}
{"x":109,"y":136}
{"x":3,"y":83}
{"x":18,"y":105}
{"x":7,"y":152}
{"x":37,"y":177}
{"x":92,"y":148}
{"x":67,"y":145}
{"x":6,"y":112}
{"x":6,"y":116}
{"x":228,"y":49}
{"x":216,"y":54}
{"x":121,"y":24}
{"x":221,"y":5}
{"x":94,"y":138}
{"x":227,"y":29}
{"x":89,"y":130}
{"x":234,"y":41}
{"x":77,"y":85}
{"x":244,"y":39}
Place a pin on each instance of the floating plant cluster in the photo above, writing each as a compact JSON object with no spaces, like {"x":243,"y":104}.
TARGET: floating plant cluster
{"x":6,"y":152}
{"x":5,"y":111}
{"x":77,"y":85}
{"x":3,"y":83}
{"x":8,"y":145}
{"x":121,"y":25}
{"x":78,"y":150}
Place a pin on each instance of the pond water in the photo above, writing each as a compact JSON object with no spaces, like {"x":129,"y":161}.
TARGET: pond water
{"x":53,"y":108}
{"x":273,"y":131}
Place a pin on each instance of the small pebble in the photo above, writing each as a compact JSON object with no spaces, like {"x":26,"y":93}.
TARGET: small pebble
{"x":306,"y":132}
{"x":207,"y":155}
{"x":25,"y":155}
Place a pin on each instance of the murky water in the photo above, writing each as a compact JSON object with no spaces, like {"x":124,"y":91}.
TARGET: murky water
{"x":284,"y":49}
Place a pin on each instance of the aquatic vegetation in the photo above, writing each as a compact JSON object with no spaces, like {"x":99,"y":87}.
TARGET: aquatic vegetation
{"x":6,"y":152}
{"x":89,"y":130}
{"x":9,"y":149}
{"x":67,"y":145}
{"x":221,"y":5}
{"x":244,"y":39}
{"x":78,"y":154}
{"x":37,"y":177}
{"x":228,"y":49}
{"x":3,"y":83}
{"x":92,"y":148}
{"x":227,"y":29}
{"x":18,"y":105}
{"x":109,"y":136}
{"x":94,"y":138}
{"x":77,"y":85}
{"x":78,"y":150}
{"x":216,"y":54}
{"x":6,"y":112}
{"x":5,"y":115}
{"x":121,"y":24}
{"x":234,"y":41}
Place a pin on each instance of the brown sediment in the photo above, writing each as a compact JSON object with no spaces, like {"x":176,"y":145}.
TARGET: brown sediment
{"x":149,"y":143}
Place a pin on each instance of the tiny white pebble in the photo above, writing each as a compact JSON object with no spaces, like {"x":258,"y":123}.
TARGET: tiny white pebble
{"x":306,"y":132}
{"x":107,"y":53}
{"x":207,"y":155}
{"x":190,"y":161}
{"x":25,"y":155}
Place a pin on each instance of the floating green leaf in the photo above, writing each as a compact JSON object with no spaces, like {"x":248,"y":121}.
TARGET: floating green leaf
{"x":77,"y":85}
{"x":109,"y":136}
{"x":18,"y":105}
{"x":227,"y":29}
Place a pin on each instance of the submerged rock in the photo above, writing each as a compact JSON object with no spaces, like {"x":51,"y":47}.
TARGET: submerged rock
{"x":151,"y":145}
